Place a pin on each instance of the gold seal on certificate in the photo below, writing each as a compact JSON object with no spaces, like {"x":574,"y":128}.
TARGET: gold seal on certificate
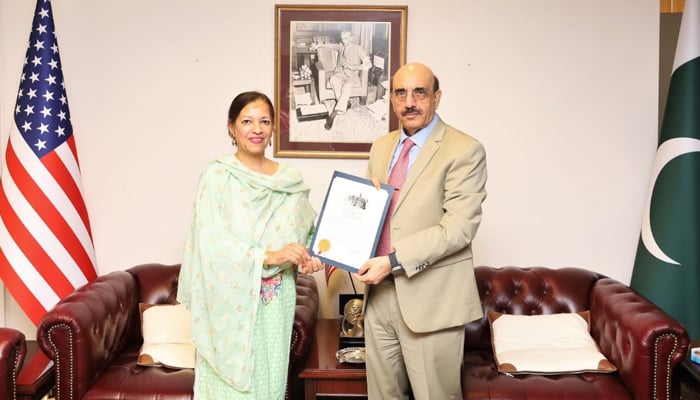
{"x":350,"y":221}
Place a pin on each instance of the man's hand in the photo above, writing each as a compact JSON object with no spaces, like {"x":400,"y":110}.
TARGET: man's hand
{"x":374,"y":270}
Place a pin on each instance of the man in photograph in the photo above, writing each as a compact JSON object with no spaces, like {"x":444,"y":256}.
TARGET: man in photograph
{"x":352,"y":60}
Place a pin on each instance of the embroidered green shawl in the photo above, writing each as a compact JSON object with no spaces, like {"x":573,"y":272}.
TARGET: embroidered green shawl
{"x":238,"y":214}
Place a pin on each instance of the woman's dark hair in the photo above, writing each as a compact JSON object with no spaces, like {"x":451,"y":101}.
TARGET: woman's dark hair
{"x":245,"y":98}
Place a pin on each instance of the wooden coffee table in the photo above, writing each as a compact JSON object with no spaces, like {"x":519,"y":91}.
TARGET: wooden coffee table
{"x":323,"y":375}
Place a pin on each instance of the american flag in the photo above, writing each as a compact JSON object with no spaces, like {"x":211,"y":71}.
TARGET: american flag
{"x":46,"y":248}
{"x":330,"y":269}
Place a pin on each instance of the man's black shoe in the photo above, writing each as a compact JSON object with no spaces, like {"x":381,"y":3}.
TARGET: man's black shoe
{"x":329,"y":120}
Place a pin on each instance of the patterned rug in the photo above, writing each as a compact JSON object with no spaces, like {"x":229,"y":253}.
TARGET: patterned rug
{"x":360,"y":124}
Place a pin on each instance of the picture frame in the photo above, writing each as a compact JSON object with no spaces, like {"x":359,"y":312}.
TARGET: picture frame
{"x":333,"y":65}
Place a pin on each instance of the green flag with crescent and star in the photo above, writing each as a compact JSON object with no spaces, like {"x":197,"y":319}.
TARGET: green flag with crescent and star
{"x":667,"y":265}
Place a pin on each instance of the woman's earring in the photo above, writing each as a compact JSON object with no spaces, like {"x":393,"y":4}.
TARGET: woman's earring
{"x":230,"y":133}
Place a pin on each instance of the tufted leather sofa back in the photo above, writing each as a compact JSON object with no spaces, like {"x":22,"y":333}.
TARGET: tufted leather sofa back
{"x":527,"y":291}
{"x":155,"y":284}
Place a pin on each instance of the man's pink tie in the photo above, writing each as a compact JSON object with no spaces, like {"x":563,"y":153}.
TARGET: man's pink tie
{"x":396,"y":179}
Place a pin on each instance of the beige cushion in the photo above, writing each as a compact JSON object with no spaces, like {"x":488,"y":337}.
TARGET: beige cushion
{"x":545,"y":344}
{"x":166,"y":336}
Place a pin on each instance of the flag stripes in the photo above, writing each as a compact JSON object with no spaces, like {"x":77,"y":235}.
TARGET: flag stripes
{"x":46,"y":248}
{"x":329,"y":270}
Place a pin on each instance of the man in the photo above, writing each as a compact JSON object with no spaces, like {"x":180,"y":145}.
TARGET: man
{"x":352,"y":59}
{"x":420,"y":288}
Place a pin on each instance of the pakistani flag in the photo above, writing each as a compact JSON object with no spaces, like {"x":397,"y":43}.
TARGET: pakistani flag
{"x":667,"y":266}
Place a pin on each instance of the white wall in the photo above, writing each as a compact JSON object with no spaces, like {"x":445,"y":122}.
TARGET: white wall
{"x":563,"y":94}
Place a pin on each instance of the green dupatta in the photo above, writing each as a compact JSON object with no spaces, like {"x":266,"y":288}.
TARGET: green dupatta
{"x":238,"y":214}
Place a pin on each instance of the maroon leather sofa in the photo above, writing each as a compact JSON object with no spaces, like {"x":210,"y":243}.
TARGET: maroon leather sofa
{"x":643,"y":342}
{"x":13,"y":349}
{"x":94,"y":335}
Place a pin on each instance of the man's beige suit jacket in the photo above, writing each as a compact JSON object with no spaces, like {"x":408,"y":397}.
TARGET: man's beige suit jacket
{"x":435,"y":219}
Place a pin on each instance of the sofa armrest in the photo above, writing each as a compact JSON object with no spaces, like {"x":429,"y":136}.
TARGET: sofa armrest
{"x":638,"y":337}
{"x":86,"y":330}
{"x":305,"y":316}
{"x":13,"y":348}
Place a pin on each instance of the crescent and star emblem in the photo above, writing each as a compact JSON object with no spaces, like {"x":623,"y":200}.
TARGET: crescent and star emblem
{"x":668,"y":150}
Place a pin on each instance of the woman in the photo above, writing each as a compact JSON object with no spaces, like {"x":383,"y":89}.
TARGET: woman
{"x":251,"y":218}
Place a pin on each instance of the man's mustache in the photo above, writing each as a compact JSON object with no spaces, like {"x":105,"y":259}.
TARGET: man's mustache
{"x":411,"y":110}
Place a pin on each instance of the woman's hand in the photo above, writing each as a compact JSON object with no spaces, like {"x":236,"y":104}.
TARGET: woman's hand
{"x":314,"y":264}
{"x":291,"y":252}
{"x":296,"y":254}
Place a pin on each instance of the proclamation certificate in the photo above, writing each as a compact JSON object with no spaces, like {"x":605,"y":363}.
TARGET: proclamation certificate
{"x":350,"y":221}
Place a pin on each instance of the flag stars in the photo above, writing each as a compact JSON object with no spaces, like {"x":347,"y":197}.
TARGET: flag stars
{"x":40,"y":145}
{"x":48,"y":95}
{"x":41,"y":110}
{"x":43,"y":128}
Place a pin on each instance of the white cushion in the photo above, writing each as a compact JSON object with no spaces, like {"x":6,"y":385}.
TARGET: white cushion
{"x":545,"y":344}
{"x":166,"y":336}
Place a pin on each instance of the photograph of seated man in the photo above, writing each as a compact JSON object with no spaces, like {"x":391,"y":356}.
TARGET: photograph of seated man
{"x":352,"y":60}
{"x":339,"y":81}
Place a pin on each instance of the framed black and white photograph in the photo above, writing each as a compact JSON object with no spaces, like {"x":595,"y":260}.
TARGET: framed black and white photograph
{"x":332,"y":70}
